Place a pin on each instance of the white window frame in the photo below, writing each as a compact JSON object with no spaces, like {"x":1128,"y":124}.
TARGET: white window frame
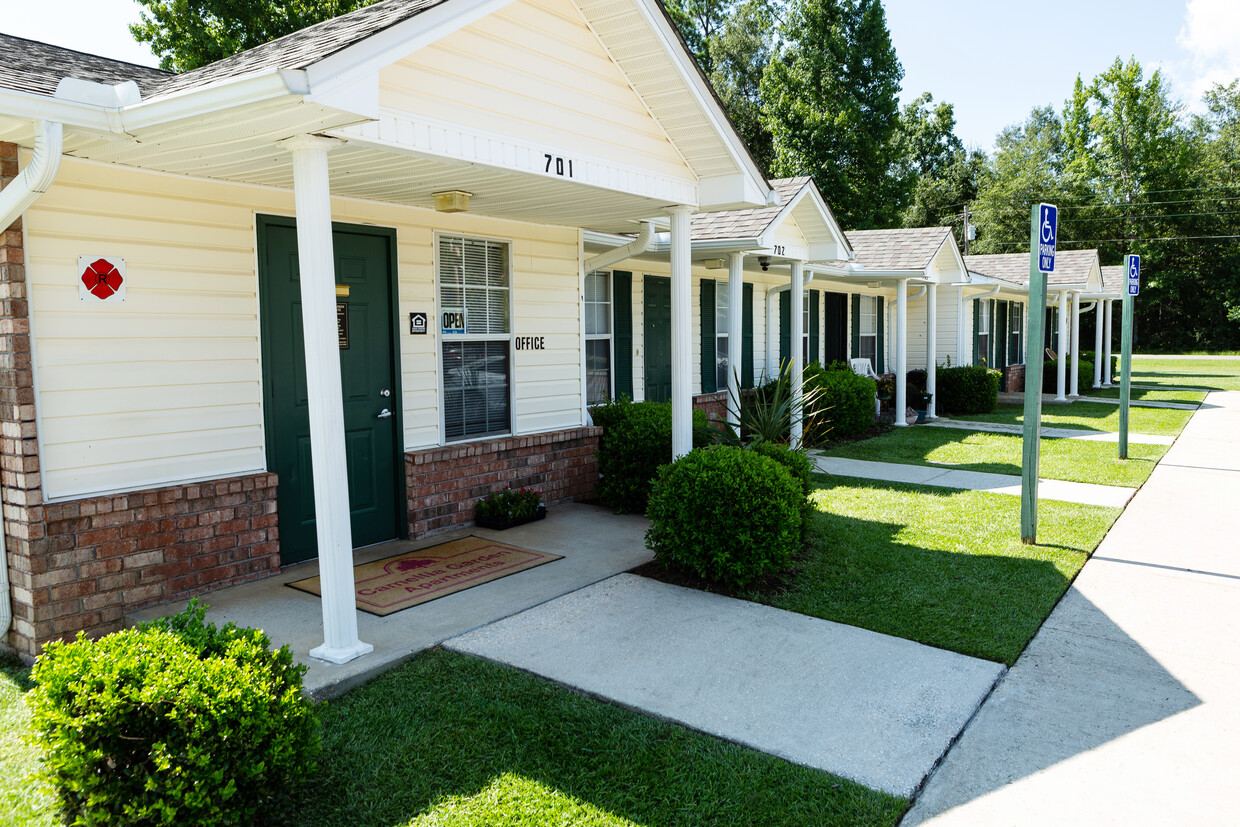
{"x":610,"y":336}
{"x":863,"y":314}
{"x":721,"y":332}
{"x":1015,"y":334}
{"x":983,"y":330}
{"x":498,"y":337}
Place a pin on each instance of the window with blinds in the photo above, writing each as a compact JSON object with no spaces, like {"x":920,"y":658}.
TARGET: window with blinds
{"x":983,"y":332}
{"x":474,"y":282}
{"x":598,"y":338}
{"x":868,"y":325}
{"x":721,"y":336}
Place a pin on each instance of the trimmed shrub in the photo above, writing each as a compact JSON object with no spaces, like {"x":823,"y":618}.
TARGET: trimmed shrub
{"x":173,"y":722}
{"x":1050,"y":376}
{"x":845,"y":401}
{"x":636,"y":440}
{"x":1090,"y":356}
{"x":725,"y":514}
{"x":797,"y":463}
{"x":967,"y":389}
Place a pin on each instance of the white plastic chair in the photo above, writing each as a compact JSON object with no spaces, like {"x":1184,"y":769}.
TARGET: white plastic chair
{"x":862,"y":367}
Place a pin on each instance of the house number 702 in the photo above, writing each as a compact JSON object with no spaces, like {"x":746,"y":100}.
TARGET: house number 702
{"x":559,"y":163}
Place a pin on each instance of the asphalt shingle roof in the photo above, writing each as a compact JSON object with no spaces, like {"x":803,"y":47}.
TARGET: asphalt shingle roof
{"x":901,"y":249}
{"x":746,"y":223}
{"x":1114,"y":279}
{"x":1071,"y":266}
{"x":31,"y":66}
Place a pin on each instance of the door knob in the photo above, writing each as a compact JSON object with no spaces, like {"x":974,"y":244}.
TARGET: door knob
{"x":383,"y":414}
{"x":385,"y":392}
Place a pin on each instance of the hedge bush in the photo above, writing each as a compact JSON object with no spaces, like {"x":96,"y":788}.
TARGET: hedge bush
{"x":844,"y":400}
{"x":1050,"y":376}
{"x":726,"y":514}
{"x":636,"y":440}
{"x":797,"y":463}
{"x":966,"y":389}
{"x":1088,"y":355}
{"x":173,"y":722}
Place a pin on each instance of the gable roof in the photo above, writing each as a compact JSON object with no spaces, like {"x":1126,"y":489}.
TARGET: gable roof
{"x":305,"y":46}
{"x":899,"y":249}
{"x":35,"y":67}
{"x":1072,"y":267}
{"x":746,"y":223}
{"x":1113,"y":279}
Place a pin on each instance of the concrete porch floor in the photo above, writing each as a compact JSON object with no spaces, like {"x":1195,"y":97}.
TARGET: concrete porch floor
{"x":596,"y":544}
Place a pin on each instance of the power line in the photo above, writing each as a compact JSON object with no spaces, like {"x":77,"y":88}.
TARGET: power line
{"x":1116,"y":240}
{"x":1151,"y":217}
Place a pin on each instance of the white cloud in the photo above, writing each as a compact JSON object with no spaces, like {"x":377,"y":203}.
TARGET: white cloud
{"x":1211,"y":36}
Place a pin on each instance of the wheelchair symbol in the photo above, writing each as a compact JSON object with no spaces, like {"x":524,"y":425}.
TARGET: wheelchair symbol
{"x":1048,"y":229}
{"x":1134,"y":269}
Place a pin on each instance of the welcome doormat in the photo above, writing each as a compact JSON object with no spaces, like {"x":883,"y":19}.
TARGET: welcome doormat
{"x":394,"y":583}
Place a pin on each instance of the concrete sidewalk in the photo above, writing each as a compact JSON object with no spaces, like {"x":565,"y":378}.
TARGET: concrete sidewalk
{"x":1072,"y":492}
{"x":1050,"y":432}
{"x":1125,"y":708}
{"x":877,"y":709}
{"x":1141,"y":403}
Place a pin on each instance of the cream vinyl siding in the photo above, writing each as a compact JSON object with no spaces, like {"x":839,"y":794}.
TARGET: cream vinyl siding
{"x":167,"y":386}
{"x":540,"y":53}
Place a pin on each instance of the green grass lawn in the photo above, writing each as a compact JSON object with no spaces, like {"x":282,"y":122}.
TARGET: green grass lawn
{"x":1092,"y":416}
{"x":942,"y":567}
{"x":21,"y":803}
{"x":1147,"y":395}
{"x":453,"y":740}
{"x":1207,"y":374}
{"x":1062,"y":459}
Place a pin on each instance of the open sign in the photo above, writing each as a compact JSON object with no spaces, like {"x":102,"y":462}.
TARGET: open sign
{"x":453,"y":320}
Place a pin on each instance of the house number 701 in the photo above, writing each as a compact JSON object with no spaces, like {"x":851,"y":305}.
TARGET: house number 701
{"x":559,"y":163}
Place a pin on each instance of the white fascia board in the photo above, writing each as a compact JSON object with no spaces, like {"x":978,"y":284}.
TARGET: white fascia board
{"x":215,"y":97}
{"x":706,"y":101}
{"x":959,"y":259}
{"x":718,"y":193}
{"x":368,"y":56}
{"x":28,"y":107}
{"x":832,"y":224}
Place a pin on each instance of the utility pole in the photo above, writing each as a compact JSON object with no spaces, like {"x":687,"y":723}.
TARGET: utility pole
{"x":965,"y":233}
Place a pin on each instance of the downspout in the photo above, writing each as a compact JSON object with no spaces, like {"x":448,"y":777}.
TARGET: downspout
{"x":15,"y":199}
{"x":635,"y":247}
{"x":1087,"y":307}
{"x":770,"y":318}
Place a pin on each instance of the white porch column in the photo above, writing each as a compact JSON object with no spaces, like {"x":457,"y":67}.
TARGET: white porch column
{"x":1106,"y":343}
{"x":312,"y":197}
{"x":682,"y":325}
{"x":932,"y":343}
{"x":1074,"y":386}
{"x":796,"y":334}
{"x":901,"y":351}
{"x":964,"y":355}
{"x":736,"y":315}
{"x":1098,"y":343}
{"x":1061,"y":356}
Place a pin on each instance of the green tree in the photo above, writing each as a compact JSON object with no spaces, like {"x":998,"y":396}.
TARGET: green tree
{"x":940,"y":174}
{"x":700,"y":22}
{"x":738,"y":56}
{"x":830,"y":102}
{"x":186,"y":34}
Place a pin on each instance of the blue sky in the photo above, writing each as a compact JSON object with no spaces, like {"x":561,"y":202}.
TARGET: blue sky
{"x":994,"y":59}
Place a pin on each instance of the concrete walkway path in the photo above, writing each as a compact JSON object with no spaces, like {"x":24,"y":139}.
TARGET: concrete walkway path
{"x":1125,"y":708}
{"x":1072,"y":492}
{"x":1050,"y":432}
{"x":877,"y":709}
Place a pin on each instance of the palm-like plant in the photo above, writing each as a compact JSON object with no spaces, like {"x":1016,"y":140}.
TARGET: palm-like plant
{"x":766,"y":413}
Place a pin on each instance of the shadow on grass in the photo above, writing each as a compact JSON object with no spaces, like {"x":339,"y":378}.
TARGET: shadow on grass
{"x":451,"y":739}
{"x":915,"y":445}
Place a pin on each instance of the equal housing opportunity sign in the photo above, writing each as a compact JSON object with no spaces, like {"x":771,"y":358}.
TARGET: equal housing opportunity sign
{"x":395,"y":583}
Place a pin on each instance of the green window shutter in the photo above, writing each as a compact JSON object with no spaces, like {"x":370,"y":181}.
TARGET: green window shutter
{"x":785,"y":326}
{"x":622,"y":327}
{"x":813,"y":327}
{"x":856,"y":326}
{"x":746,"y":337}
{"x":976,"y":318}
{"x":882,"y":368}
{"x":708,"y":336}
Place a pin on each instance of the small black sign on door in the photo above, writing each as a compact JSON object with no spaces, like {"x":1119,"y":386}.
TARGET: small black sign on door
{"x":342,"y":324}
{"x":417,"y":323}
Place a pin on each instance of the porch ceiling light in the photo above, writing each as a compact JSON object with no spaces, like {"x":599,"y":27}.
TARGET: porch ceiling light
{"x":452,"y":201}
{"x":715,"y":263}
{"x":873,"y":284}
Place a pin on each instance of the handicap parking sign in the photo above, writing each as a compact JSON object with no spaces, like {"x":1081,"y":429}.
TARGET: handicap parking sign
{"x":1132,"y":266}
{"x":1048,"y":230}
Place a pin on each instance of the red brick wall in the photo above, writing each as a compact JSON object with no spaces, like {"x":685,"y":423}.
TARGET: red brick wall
{"x":105,"y":556}
{"x":715,"y":405}
{"x":444,"y":484}
{"x":1014,"y":379}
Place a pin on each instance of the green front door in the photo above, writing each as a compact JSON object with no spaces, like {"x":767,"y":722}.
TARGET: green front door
{"x":657,"y":337}
{"x":364,"y":265}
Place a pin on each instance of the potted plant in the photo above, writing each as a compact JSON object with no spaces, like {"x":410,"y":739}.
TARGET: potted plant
{"x":508,"y":508}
